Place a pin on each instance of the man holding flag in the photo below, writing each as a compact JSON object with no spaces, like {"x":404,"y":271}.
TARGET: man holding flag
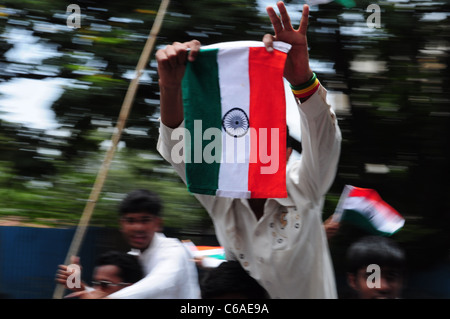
{"x":280,"y":242}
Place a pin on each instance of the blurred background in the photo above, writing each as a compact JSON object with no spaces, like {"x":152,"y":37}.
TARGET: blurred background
{"x":61,"y":90}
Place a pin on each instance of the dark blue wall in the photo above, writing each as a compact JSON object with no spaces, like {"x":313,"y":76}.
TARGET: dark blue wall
{"x":29,"y":258}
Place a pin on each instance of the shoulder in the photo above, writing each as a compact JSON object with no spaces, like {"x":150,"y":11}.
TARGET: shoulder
{"x":162,"y":240}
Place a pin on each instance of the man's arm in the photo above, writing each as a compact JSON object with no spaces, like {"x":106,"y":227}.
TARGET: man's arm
{"x":164,"y":279}
{"x":320,"y":134}
{"x":171,"y":66}
{"x":321,"y":146}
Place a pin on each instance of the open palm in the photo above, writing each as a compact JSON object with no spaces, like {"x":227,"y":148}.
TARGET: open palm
{"x":297,"y":69}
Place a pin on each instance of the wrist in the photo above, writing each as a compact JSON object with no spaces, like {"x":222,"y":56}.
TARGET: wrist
{"x":302,"y":79}
{"x":168,"y":86}
{"x":304,"y":90}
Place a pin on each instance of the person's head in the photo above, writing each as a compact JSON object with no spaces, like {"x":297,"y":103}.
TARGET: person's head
{"x":375,"y":268}
{"x":115,"y":270}
{"x":140,"y":217}
{"x":230,"y":281}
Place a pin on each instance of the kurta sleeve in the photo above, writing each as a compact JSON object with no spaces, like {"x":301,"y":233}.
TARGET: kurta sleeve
{"x":164,"y":279}
{"x":321,"y":138}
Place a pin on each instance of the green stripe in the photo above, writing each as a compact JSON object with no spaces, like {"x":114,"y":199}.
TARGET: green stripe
{"x":356,"y":218}
{"x":201,"y":100}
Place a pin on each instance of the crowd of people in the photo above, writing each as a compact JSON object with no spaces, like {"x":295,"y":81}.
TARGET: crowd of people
{"x":275,"y":247}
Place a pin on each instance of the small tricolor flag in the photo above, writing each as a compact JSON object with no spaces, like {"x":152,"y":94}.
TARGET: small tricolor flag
{"x":210,"y":256}
{"x":365,"y":208}
{"x":235,"y":120}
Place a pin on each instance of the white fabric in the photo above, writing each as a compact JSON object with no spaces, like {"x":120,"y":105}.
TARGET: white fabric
{"x":279,"y":45}
{"x":286,"y":250}
{"x":169,"y":273}
{"x":234,"y":85}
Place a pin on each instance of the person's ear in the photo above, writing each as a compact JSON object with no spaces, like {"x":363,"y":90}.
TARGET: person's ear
{"x":351,"y":280}
{"x":159,"y":224}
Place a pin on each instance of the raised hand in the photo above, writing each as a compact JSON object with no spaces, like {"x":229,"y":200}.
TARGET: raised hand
{"x":297,"y":70}
{"x":172,"y":62}
{"x":171,"y":66}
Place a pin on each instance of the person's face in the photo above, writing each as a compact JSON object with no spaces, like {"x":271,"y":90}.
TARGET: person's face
{"x":106,"y":278}
{"x":138,"y":229}
{"x":390,"y":280}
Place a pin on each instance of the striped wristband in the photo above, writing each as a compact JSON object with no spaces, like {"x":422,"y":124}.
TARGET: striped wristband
{"x":307,"y":89}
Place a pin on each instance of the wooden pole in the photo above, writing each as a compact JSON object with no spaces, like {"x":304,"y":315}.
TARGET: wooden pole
{"x":103,"y":172}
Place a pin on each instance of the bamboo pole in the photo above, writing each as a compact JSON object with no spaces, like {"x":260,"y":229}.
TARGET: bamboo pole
{"x":123,"y":116}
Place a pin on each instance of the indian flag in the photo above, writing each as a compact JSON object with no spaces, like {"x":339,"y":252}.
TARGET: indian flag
{"x":365,"y":208}
{"x":235,"y":120}
{"x":210,"y":256}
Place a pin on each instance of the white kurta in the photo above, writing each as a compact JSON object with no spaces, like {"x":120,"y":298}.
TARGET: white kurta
{"x":286,"y":250}
{"x":169,"y":273}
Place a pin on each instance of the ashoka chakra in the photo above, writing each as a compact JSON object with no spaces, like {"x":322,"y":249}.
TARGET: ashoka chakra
{"x":235,"y":122}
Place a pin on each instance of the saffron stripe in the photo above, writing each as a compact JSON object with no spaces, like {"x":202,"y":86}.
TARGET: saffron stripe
{"x":267,"y":107}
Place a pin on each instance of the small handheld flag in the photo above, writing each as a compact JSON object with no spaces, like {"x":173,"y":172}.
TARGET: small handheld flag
{"x":365,"y":208}
{"x":211,"y":256}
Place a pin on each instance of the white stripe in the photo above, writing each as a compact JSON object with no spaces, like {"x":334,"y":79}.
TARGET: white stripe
{"x":235,"y":93}
{"x":279,"y":45}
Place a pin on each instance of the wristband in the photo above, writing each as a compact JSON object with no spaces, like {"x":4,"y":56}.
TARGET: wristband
{"x":307,"y":89}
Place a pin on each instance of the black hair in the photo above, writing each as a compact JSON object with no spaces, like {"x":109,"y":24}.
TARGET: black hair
{"x":130,"y":268}
{"x":379,"y":250}
{"x":141,"y":201}
{"x":228,"y":278}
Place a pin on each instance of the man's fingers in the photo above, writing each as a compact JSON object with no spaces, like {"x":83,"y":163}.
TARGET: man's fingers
{"x":172,"y":55}
{"x":284,"y":16}
{"x":175,"y":54}
{"x":276,"y":22}
{"x":268,"y":42}
{"x":304,"y":22}
{"x":180,"y":53}
{"x":167,"y":57}
{"x":161,"y":55}
{"x":194,"y":47}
